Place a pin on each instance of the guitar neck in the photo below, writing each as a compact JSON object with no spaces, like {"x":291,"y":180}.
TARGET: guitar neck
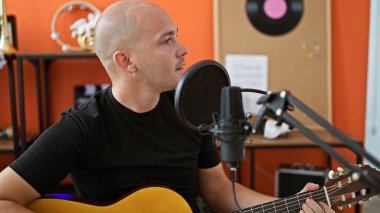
{"x":289,"y":204}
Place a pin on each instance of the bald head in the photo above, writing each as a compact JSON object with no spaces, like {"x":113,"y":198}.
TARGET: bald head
{"x":118,"y":28}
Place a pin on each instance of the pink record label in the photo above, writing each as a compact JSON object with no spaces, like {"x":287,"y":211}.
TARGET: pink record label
{"x":275,"y":9}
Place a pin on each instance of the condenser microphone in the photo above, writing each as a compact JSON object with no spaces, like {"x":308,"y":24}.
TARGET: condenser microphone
{"x":197,"y":101}
{"x":232,"y":127}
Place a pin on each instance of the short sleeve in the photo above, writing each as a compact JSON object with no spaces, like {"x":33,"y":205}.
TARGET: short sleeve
{"x":52,"y":156}
{"x":208,"y":156}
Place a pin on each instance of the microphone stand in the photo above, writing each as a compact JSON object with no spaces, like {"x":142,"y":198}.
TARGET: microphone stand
{"x":275,"y":105}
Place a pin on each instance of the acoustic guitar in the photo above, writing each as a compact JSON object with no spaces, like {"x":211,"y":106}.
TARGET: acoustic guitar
{"x":342,"y":190}
{"x":149,"y":199}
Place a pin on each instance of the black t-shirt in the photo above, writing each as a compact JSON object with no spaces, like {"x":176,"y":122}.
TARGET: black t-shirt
{"x":110,"y":150}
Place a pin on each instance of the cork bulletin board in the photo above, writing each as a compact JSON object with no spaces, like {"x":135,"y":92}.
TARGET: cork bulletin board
{"x":299,"y":60}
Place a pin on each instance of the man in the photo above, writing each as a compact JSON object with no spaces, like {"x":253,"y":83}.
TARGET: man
{"x":128,"y":136}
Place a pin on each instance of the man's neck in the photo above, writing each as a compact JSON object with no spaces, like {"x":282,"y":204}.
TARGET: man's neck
{"x":136,"y":100}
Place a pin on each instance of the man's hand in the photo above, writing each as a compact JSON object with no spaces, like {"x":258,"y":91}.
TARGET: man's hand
{"x":312,"y":206}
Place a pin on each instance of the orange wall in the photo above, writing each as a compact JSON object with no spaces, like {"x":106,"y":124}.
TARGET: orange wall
{"x":350,"y":53}
{"x":350,"y":21}
{"x":33,"y":26}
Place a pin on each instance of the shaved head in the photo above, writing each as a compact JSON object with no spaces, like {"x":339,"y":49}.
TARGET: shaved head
{"x":118,"y":28}
{"x":138,"y":46}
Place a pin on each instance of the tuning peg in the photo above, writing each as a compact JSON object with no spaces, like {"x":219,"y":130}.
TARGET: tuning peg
{"x":331,"y":174}
{"x":363,"y":191}
{"x":355,"y":176}
{"x":353,"y":195}
{"x":339,"y":183}
{"x":348,"y":179}
{"x":340,"y":170}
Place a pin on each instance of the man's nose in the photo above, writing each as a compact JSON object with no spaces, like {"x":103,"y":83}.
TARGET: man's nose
{"x":182,"y":51}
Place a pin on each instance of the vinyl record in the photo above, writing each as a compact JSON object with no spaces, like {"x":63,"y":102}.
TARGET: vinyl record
{"x":274,"y":17}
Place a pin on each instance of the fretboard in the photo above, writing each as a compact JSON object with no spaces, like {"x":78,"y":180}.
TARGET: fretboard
{"x":289,"y":204}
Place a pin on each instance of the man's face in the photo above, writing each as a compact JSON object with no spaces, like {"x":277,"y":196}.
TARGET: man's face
{"x":158,"y":56}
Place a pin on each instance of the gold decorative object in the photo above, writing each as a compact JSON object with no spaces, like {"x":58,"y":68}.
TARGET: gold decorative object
{"x":82,"y":29}
{"x":5,"y":43}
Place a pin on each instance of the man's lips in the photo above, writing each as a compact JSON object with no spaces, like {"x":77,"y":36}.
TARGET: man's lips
{"x":180,"y":67}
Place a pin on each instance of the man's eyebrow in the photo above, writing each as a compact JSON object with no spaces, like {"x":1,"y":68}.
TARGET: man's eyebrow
{"x":170,"y":33}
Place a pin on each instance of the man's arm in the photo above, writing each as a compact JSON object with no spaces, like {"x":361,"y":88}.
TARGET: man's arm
{"x":15,"y":192}
{"x":216,"y":189}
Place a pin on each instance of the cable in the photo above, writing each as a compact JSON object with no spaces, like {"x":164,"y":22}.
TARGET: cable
{"x":254,"y":90}
{"x":233,"y":180}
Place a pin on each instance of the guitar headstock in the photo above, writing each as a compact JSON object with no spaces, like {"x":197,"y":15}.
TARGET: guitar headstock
{"x":346,"y":189}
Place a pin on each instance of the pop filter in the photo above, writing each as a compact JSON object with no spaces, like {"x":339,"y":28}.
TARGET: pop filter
{"x":197,"y":95}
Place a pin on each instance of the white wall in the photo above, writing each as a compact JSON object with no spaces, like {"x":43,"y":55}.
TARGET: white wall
{"x":372,"y":130}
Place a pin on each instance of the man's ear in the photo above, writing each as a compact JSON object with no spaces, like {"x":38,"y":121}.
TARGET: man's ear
{"x":122,"y":61}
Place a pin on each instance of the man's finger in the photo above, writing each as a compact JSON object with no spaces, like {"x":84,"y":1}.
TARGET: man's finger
{"x":326,"y":207}
{"x":309,"y":187}
{"x":313,"y":205}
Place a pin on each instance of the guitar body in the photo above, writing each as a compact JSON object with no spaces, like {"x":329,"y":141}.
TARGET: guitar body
{"x":150,"y":199}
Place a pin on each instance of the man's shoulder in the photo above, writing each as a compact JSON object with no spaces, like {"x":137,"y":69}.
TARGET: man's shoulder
{"x":90,"y":107}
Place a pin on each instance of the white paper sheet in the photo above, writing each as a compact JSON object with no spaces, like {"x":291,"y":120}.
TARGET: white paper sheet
{"x":248,"y":71}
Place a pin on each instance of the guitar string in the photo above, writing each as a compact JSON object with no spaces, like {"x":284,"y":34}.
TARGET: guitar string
{"x":289,"y":206}
{"x":297,"y":208}
{"x":291,"y":209}
{"x":287,"y":210}
{"x":302,"y":196}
